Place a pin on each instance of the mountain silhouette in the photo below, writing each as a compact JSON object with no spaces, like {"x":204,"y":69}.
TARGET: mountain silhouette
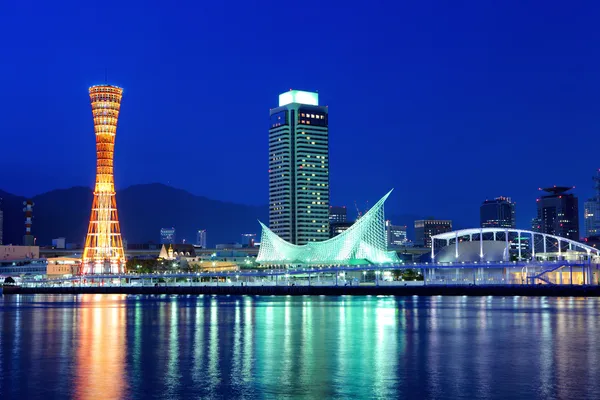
{"x":143,"y":211}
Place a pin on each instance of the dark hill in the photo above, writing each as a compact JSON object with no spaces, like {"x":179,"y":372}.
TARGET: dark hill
{"x":143,"y":210}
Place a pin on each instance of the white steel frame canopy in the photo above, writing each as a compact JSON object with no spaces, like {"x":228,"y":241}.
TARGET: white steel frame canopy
{"x":364,"y":243}
{"x":556,"y":241}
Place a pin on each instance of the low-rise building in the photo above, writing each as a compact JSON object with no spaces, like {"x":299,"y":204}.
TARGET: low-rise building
{"x":11,"y":252}
{"x":23,"y":267}
{"x":60,"y":266}
{"x":175,"y":251}
{"x":59,"y":243}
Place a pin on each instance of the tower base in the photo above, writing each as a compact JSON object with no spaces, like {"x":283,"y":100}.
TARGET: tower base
{"x":106,"y":267}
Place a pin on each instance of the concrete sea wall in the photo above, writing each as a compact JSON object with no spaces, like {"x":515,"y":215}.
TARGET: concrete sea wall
{"x":430,"y":290}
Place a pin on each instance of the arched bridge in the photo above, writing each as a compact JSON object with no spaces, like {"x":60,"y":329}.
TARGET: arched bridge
{"x":522,"y":243}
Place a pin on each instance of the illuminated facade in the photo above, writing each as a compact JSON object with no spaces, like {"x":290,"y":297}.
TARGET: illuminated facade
{"x":395,"y":234}
{"x":299,"y":168}
{"x":558,"y":212}
{"x":168,"y":235}
{"x":498,"y":213}
{"x":364,"y":243}
{"x":103,"y":251}
{"x":426,"y":228}
{"x":591,"y":213}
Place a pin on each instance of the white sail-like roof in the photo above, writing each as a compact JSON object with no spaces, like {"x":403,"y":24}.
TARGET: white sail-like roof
{"x":363,"y":243}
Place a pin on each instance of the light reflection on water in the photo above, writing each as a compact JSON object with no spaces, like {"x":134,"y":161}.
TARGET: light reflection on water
{"x":114,"y":346}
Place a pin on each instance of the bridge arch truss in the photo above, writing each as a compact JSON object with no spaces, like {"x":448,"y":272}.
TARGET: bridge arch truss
{"x":527,"y":244}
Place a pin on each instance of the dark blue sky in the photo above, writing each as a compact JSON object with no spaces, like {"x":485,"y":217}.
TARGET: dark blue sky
{"x":448,"y":102}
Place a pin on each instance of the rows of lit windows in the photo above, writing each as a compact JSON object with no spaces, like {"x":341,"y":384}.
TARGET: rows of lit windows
{"x":318,"y":116}
{"x":312,"y":165}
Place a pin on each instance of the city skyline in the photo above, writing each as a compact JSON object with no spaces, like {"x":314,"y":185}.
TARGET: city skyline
{"x":315,"y":199}
{"x":519,"y":88}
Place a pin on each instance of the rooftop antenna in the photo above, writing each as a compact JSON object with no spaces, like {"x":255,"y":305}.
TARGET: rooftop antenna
{"x":106,"y":75}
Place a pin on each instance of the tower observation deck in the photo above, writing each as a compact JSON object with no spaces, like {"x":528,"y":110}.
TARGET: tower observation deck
{"x":103,"y":252}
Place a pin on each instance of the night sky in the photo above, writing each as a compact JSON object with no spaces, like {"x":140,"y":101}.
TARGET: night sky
{"x":449,"y":103}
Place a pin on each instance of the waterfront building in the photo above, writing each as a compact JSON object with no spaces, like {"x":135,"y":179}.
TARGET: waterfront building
{"x":363,"y":243}
{"x":498,"y":213}
{"x":201,"y":238}
{"x":395,"y":235}
{"x":170,"y":251}
{"x":299,"y":168}
{"x":426,"y":228}
{"x":335,"y":228}
{"x":11,"y":252}
{"x":22,"y":267}
{"x":591,"y":213}
{"x":61,"y":266}
{"x":212,"y":265}
{"x":507,"y":256}
{"x":337,"y":214}
{"x":103,"y":251}
{"x":167,"y":235}
{"x":558,"y":212}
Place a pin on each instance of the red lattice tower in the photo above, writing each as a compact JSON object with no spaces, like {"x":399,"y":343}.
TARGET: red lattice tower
{"x":103,"y":251}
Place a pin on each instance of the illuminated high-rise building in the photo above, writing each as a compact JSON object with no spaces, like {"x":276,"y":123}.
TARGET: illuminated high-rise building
{"x":426,"y":228}
{"x":201,"y":238}
{"x":498,"y":213}
{"x":558,"y":212}
{"x":168,"y":236}
{"x":337,"y":214}
{"x":591,"y":213}
{"x":299,"y":168}
{"x":103,"y":252}
{"x":395,"y":235}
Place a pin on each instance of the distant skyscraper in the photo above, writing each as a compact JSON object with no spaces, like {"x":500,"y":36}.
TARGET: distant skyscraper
{"x":558,"y":213}
{"x":248,"y":239}
{"x":335,"y":228}
{"x":299,"y":168}
{"x":167,"y":235}
{"x":337,"y":214}
{"x":201,"y":238}
{"x":498,"y":213}
{"x":395,"y":234}
{"x":591,"y":213}
{"x":426,"y":228}
{"x":536,"y":224}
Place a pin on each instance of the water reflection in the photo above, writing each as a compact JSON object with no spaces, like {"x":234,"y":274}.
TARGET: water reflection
{"x":298,"y":347}
{"x":100,"y":347}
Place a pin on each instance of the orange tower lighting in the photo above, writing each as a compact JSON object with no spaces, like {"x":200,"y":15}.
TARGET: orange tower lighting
{"x":103,"y":252}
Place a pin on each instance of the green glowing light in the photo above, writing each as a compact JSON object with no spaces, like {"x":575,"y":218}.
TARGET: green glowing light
{"x":300,"y":97}
{"x":362,"y":243}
